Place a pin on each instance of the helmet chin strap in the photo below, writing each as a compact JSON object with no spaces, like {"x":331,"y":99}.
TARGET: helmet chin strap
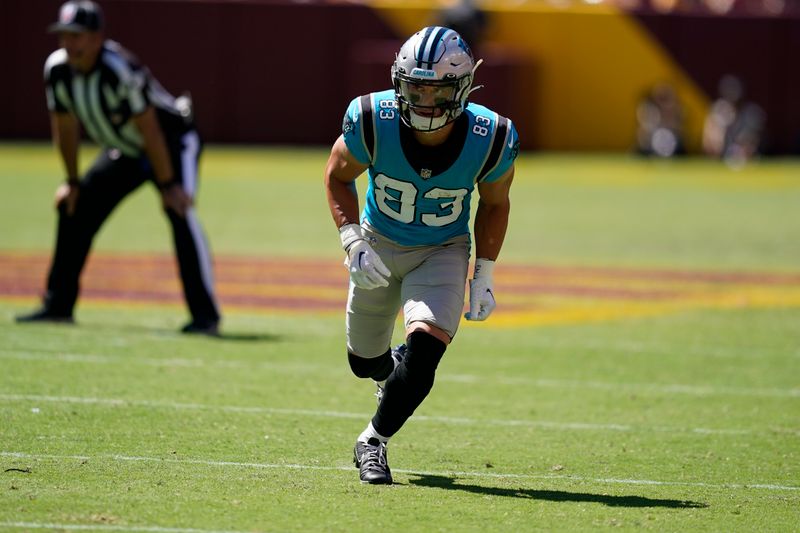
{"x":422,"y":123}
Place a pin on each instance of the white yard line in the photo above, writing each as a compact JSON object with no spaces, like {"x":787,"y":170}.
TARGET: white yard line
{"x":107,"y":527}
{"x":653,"y":388}
{"x":65,"y":357}
{"x":691,"y":390}
{"x":451,"y":474}
{"x":544,"y":424}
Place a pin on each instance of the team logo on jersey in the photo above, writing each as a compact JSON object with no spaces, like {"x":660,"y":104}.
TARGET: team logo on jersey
{"x":425,"y":173}
{"x":348,"y":125}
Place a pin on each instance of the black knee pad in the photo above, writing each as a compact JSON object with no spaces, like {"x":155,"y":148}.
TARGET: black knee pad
{"x":376,"y":368}
{"x":424,"y":351}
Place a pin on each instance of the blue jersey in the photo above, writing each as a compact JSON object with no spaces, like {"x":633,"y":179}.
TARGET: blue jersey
{"x":417,"y":205}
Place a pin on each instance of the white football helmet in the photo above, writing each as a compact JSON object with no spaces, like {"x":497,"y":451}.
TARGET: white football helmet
{"x":432,"y":76}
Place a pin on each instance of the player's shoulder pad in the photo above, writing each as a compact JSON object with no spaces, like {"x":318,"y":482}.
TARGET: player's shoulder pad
{"x":504,"y":143}
{"x":55,"y":62}
{"x":358,"y":128}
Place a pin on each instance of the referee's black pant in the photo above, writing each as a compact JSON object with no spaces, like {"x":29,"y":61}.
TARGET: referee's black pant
{"x":110,"y":179}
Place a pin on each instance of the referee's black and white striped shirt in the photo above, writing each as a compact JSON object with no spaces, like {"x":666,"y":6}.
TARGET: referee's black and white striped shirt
{"x":105,"y":99}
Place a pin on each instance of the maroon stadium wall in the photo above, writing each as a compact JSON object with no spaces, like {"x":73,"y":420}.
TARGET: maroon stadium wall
{"x":258,"y":71}
{"x":277,"y":71}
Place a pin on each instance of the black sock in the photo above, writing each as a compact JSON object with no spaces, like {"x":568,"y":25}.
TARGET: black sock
{"x":410,"y":382}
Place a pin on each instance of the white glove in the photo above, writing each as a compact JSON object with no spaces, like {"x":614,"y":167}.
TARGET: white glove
{"x":481,"y":296}
{"x":367,"y":270}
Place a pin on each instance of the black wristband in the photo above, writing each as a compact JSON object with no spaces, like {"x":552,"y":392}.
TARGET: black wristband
{"x":167,"y":185}
{"x":72,"y":182}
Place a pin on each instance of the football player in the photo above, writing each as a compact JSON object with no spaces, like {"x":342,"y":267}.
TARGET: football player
{"x":425,"y":148}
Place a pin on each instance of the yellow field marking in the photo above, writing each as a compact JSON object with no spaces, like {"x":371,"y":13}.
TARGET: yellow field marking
{"x":569,"y":313}
{"x":528,"y":295}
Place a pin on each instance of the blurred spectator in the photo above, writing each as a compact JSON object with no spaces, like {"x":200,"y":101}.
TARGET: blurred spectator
{"x":721,"y":8}
{"x":734,"y":127}
{"x":467,"y":19}
{"x":659,"y":118}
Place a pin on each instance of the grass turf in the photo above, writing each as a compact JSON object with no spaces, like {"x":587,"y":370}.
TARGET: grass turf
{"x":684,"y":421}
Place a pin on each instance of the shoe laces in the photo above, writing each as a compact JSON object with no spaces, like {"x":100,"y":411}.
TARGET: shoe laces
{"x":374,"y":457}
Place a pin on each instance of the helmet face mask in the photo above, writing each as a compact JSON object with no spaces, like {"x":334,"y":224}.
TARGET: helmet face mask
{"x":432,"y":76}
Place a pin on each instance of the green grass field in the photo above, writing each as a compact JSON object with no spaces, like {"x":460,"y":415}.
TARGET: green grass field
{"x":583,"y":405}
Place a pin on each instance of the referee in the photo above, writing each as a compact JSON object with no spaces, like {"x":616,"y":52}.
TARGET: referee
{"x":145,"y":133}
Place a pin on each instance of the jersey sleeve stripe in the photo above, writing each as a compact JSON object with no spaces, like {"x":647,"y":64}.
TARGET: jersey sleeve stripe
{"x":368,"y":125}
{"x":497,"y":148}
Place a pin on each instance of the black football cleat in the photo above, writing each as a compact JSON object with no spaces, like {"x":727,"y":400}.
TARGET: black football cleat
{"x":399,"y":353}
{"x":370,"y":459}
{"x":44,"y":315}
{"x":194,"y":327}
